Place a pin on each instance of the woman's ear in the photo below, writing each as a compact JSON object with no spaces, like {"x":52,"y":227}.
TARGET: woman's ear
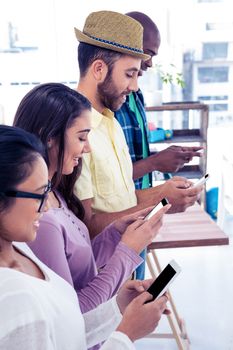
{"x":50,"y":143}
{"x":99,"y":70}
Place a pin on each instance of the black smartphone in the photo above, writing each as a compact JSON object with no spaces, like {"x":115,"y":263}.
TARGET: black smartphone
{"x":164,"y":279}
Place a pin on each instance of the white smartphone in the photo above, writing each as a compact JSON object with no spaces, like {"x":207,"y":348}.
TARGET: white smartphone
{"x":161,"y":204}
{"x":202,"y":180}
{"x":164,"y":279}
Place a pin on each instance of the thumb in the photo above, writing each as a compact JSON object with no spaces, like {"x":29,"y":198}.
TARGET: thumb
{"x":164,"y":209}
{"x":143,"y":298}
{"x":161,"y":302}
{"x":147,"y":283}
{"x":142,"y":212}
{"x":136,"y":285}
{"x":157,"y":216}
{"x":178,"y":178}
{"x":181,"y":184}
{"x":136,"y":224}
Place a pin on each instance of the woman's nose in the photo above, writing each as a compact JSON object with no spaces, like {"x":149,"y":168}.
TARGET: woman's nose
{"x":87,"y":147}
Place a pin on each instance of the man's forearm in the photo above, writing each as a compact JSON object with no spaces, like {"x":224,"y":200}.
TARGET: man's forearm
{"x":144,"y":166}
{"x":151,"y":195}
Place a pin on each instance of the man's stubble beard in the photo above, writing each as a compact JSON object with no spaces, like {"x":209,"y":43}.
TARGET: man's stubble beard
{"x":108,"y":94}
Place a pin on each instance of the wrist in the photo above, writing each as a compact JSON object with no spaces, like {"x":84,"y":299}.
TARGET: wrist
{"x":154,"y":163}
{"x":119,"y":304}
{"x":132,"y":245}
{"x":160,"y":192}
{"x":125,"y":330}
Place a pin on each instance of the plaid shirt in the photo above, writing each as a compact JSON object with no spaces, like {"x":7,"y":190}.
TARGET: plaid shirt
{"x":133,"y":133}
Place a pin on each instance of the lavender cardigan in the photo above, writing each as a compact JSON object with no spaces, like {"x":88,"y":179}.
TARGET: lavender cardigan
{"x":96,"y":268}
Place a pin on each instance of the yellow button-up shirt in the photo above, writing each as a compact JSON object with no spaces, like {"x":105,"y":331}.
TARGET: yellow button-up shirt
{"x":107,"y":172}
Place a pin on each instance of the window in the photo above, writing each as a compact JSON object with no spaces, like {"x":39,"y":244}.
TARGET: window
{"x":209,"y":1}
{"x":213,"y":74}
{"x":209,"y":98}
{"x":15,"y":39}
{"x":219,"y":26}
{"x":217,"y":107}
{"x":215,"y":50}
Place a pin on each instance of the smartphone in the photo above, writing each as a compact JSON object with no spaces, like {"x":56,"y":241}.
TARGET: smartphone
{"x":202,"y":180}
{"x":164,"y":279}
{"x":161,"y":204}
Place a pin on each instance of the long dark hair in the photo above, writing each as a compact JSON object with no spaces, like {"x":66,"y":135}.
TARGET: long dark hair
{"x":47,"y":111}
{"x":18,"y":151}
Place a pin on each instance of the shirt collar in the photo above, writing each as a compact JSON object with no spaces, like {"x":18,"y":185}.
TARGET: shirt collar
{"x":97,"y":117}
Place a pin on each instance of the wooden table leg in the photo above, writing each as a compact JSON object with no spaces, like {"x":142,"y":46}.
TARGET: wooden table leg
{"x":176,"y":324}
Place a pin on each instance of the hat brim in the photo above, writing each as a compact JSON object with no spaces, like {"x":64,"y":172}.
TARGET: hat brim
{"x":86,"y":39}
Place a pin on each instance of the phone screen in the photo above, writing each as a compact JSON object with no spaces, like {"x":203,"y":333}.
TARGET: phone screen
{"x":161,"y":281}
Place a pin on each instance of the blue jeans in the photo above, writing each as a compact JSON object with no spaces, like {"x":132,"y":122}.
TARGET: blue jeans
{"x":140,"y":271}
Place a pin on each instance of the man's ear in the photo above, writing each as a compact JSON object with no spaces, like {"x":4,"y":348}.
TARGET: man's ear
{"x":99,"y":70}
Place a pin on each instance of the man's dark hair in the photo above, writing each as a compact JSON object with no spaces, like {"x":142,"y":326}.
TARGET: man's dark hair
{"x":146,"y":22}
{"x":87,"y":54}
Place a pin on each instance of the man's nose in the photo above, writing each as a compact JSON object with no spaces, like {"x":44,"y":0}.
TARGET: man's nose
{"x":149,"y":63}
{"x":133,"y":86}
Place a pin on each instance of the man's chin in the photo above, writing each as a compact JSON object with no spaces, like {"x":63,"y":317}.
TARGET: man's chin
{"x":116,"y":106}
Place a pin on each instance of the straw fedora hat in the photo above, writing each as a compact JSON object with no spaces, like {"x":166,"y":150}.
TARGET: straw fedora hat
{"x":113,"y":31}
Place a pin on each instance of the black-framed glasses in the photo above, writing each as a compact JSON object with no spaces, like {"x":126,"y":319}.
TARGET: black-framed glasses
{"x":21,"y":194}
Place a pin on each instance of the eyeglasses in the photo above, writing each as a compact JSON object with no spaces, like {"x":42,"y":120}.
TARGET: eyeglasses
{"x":21,"y":194}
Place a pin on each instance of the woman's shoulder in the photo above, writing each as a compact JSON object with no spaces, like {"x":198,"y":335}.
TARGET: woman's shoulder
{"x":15,"y":289}
{"x":19,"y":304}
{"x":12,"y":280}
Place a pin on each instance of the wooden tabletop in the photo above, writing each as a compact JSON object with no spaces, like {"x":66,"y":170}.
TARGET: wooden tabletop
{"x":193,"y":228}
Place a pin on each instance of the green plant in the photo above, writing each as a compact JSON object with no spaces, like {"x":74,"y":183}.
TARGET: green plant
{"x":170,"y":75}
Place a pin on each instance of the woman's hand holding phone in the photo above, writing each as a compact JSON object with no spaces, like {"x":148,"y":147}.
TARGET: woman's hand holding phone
{"x":142,"y":232}
{"x":141,"y":317}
